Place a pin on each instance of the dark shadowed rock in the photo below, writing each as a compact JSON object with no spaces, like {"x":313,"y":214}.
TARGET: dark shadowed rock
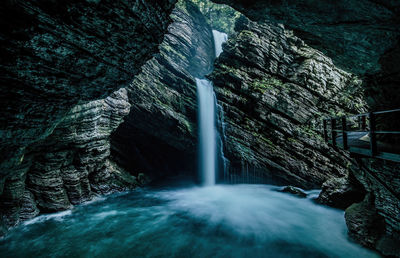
{"x":381,"y":179}
{"x":71,"y":165}
{"x":274,"y":90}
{"x":57,"y":54}
{"x":364,"y":223}
{"x":355,"y":33}
{"x":341,"y":192}
{"x":159,"y":135}
{"x":59,"y":62}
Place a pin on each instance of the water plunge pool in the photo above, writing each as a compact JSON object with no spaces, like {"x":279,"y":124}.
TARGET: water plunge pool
{"x":212,"y":221}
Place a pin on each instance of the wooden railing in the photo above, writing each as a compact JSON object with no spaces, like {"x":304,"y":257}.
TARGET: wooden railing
{"x":339,"y":133}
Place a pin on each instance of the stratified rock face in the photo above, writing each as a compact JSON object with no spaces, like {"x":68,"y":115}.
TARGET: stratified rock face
{"x":159,"y":135}
{"x":354,"y":33}
{"x":341,"y":192}
{"x":273,"y":89}
{"x":381,"y":179}
{"x":361,"y":36}
{"x":71,"y":165}
{"x":56,"y":54}
{"x":364,"y":223}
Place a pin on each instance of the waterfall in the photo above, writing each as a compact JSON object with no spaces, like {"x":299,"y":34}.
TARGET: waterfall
{"x":219,"y":39}
{"x":207,"y":132}
{"x":208,"y":111}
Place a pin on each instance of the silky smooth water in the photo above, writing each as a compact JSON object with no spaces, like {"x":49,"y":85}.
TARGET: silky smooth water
{"x":207,"y":132}
{"x":219,"y":39}
{"x":214,"y":221}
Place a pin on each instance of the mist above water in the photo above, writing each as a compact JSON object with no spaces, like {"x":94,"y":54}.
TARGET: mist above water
{"x":214,"y":221}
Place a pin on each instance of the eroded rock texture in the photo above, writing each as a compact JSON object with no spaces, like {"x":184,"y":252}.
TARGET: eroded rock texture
{"x":341,"y":192}
{"x":361,"y":36}
{"x":381,"y":179}
{"x":71,"y":165}
{"x":355,"y":34}
{"x":274,"y":89}
{"x":56,"y":54}
{"x":59,"y":62}
{"x":159,"y":135}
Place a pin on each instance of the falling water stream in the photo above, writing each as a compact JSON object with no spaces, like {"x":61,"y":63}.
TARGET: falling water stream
{"x":186,"y":220}
{"x":208,"y":133}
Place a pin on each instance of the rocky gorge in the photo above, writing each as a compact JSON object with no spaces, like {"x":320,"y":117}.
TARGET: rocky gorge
{"x":92,"y":107}
{"x":57,"y":59}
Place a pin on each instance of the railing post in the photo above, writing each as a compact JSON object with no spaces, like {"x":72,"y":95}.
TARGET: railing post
{"x":372,"y":136}
{"x":344,"y":133}
{"x":333,"y":125}
{"x":363,"y":122}
{"x":325,"y":131}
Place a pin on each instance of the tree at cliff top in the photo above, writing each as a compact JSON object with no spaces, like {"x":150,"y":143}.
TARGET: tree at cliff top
{"x":220,"y":17}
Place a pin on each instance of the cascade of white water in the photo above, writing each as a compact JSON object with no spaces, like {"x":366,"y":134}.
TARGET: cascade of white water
{"x":208,"y":133}
{"x":219,"y":39}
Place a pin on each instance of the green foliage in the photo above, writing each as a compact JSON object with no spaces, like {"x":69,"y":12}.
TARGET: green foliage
{"x":265,"y":84}
{"x":169,"y":49}
{"x":310,"y":132}
{"x":249,"y":36}
{"x":220,"y":17}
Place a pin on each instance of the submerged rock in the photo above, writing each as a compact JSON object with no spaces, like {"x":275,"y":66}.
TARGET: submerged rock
{"x":341,"y":192}
{"x":294,"y":190}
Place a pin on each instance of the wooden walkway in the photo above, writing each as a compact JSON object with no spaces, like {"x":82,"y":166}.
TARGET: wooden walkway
{"x":358,"y":135}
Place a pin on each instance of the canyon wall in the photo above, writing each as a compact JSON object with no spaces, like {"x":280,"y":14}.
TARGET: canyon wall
{"x":159,"y":137}
{"x":57,"y":54}
{"x":59,"y":62}
{"x":70,"y":166}
{"x":362,"y":37}
{"x":274,"y":89}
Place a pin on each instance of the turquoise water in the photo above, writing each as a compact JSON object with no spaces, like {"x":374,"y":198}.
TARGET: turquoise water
{"x":215,"y":221}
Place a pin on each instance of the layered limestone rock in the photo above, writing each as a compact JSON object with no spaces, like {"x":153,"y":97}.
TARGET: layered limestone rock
{"x":57,"y":58}
{"x":274,"y":90}
{"x":57,"y":54}
{"x":381,"y":179}
{"x":341,"y":192}
{"x":70,"y":166}
{"x":159,"y":136}
{"x":356,"y":34}
{"x":362,"y":37}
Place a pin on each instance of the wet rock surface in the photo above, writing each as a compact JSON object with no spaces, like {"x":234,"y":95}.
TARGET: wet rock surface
{"x":294,"y":190}
{"x":381,"y":179}
{"x":355,"y":34}
{"x":71,"y":166}
{"x":341,"y":192}
{"x":57,"y":54}
{"x":364,"y":223}
{"x":274,"y":89}
{"x":59,"y":62}
{"x":159,"y":136}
